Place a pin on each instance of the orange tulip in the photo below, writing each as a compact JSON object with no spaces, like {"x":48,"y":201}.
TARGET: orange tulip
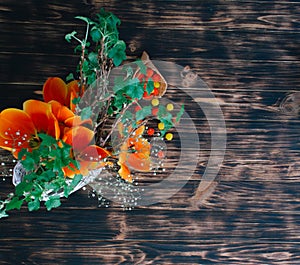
{"x":19,"y":128}
{"x":88,"y":155}
{"x":134,"y":154}
{"x":56,"y":89}
{"x":66,"y":118}
{"x":42,"y":117}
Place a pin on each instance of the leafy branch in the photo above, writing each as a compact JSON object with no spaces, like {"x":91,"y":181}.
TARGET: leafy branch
{"x":44,"y":179}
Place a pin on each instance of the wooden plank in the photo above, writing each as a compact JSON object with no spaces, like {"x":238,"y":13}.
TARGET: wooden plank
{"x":202,"y":234}
{"x":250,"y":75}
{"x":247,"y":52}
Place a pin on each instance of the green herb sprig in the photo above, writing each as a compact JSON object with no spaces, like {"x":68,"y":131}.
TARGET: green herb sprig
{"x":44,"y":180}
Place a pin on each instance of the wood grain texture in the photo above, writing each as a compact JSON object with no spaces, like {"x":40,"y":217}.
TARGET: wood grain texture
{"x":247,"y":52}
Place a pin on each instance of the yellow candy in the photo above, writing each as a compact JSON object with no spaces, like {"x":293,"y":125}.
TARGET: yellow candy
{"x":161,"y":126}
{"x":155,"y":102}
{"x":170,"y":107}
{"x":169,"y":136}
{"x":156,"y":84}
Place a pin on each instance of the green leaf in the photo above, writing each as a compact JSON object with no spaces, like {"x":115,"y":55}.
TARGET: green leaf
{"x":85,"y":19}
{"x":53,"y":202}
{"x":143,"y":113}
{"x":15,"y":203}
{"x":69,"y":36}
{"x":165,"y":117}
{"x":76,"y":100}
{"x":168,"y":125}
{"x":85,"y":66}
{"x":118,"y":101}
{"x":75,"y":181}
{"x":3,"y":214}
{"x":128,"y":70}
{"x":96,"y":34}
{"x":180,"y":113}
{"x":117,"y":53}
{"x":34,"y":205}
{"x":29,"y":177}
{"x":113,"y":20}
{"x":126,"y":116}
{"x":150,"y":86}
{"x":93,"y":58}
{"x":28,"y":163}
{"x":86,"y":113}
{"x":47,"y":140}
{"x":23,"y":187}
{"x":78,"y":48}
{"x":22,"y":153}
{"x":134,"y":89}
{"x":70,"y":77}
{"x":142,"y":66}
{"x":119,"y":83}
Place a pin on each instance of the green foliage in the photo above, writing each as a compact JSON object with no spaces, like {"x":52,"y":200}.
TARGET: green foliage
{"x":141,"y":66}
{"x":117,"y":53}
{"x":126,"y":91}
{"x":45,"y":178}
{"x":70,"y":77}
{"x":149,"y":86}
{"x":106,"y":46}
{"x":180,"y":113}
{"x":166,"y":118}
{"x":143,"y":113}
{"x":71,"y":35}
{"x":86,"y":113}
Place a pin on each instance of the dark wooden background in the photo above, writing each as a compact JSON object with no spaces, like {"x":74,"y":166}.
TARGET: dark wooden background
{"x":248,"y":54}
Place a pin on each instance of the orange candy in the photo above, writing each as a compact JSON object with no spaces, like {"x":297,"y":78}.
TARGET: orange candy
{"x":150,"y":131}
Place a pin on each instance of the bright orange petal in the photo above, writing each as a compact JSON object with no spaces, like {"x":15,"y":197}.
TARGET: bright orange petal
{"x":73,"y":92}
{"x":42,"y":117}
{"x":15,"y":120}
{"x":140,"y":159}
{"x":77,"y":121}
{"x":73,"y":86}
{"x":6,"y":144}
{"x":94,"y":153}
{"x":16,"y":129}
{"x":70,"y":171}
{"x":124,"y":172}
{"x":61,"y":112}
{"x":137,"y":163}
{"x":123,"y":153}
{"x":56,"y":89}
{"x":140,"y":145}
{"x":78,"y":137}
{"x":139,"y":131}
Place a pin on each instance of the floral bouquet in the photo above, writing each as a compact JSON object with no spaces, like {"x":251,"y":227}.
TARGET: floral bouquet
{"x":99,"y":128}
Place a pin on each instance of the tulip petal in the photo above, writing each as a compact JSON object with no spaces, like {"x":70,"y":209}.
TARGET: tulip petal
{"x":94,"y":153}
{"x":78,"y":137}
{"x":73,"y":92}
{"x":77,"y":121}
{"x":16,"y":130}
{"x":70,"y":171}
{"x":42,"y":117}
{"x":139,"y":131}
{"x":15,"y":120}
{"x":55,"y":89}
{"x":61,"y":112}
{"x":138,"y":162}
{"x":124,"y":172}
